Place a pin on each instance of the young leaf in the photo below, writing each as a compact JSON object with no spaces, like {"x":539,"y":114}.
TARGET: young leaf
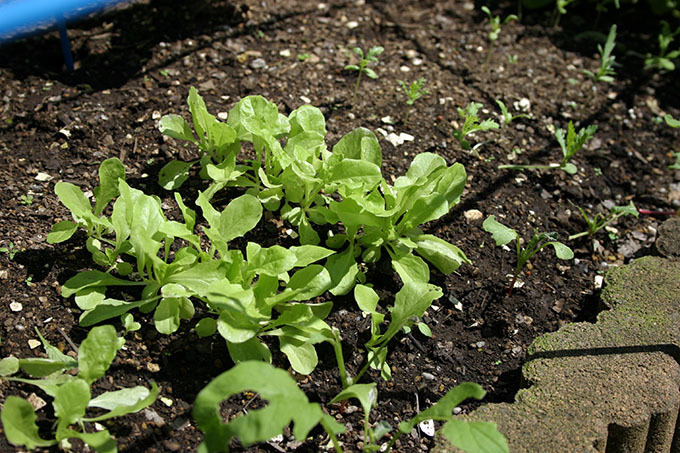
{"x":166,"y":316}
{"x":174,"y":173}
{"x":482,"y":437}
{"x":301,"y":355}
{"x":176,"y":127}
{"x":61,"y":231}
{"x":110,"y":171}
{"x":240,"y":216}
{"x":18,"y":421}
{"x":445,"y":256}
{"x":206,"y":327}
{"x":367,"y":394}
{"x":96,"y":352}
{"x":123,"y":402}
{"x":286,"y":403}
{"x":500,"y":233}
{"x":562,"y":251}
{"x":70,"y":402}
{"x":9,"y":366}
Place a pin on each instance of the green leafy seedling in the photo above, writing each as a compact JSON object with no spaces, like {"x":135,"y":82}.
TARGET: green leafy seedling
{"x":606,"y":71}
{"x":71,"y":393}
{"x":10,"y":251}
{"x":506,"y":115}
{"x":570,"y":144}
{"x":26,"y":200}
{"x":472,"y":124}
{"x":496,"y":26}
{"x":599,"y":221}
{"x":364,"y":60}
{"x":413,"y":92}
{"x":663,"y":60}
{"x":504,"y":235}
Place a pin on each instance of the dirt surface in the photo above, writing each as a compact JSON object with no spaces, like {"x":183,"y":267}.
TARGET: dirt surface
{"x":137,"y":63}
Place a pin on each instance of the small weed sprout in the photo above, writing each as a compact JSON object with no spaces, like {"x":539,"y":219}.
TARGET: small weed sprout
{"x":471,"y":124}
{"x":599,"y":221}
{"x":10,"y":251}
{"x":506,"y":115}
{"x":672,"y":122}
{"x":664,"y":59}
{"x":413,"y":92}
{"x":26,"y":200}
{"x":364,"y":59}
{"x":496,"y":27}
{"x":504,"y":235}
{"x":606,"y":71}
{"x":570,"y":144}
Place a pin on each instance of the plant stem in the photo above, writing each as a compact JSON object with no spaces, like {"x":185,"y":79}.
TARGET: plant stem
{"x":336,"y":444}
{"x":337,"y":347}
{"x":488,"y":57}
{"x":356,"y":87}
{"x":578,"y":235}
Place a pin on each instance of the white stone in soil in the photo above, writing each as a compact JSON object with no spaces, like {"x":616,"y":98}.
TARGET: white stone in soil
{"x":427,"y":427}
{"x":16,"y":306}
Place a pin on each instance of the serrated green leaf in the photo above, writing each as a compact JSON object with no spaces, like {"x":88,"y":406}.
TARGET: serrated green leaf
{"x":286,"y":403}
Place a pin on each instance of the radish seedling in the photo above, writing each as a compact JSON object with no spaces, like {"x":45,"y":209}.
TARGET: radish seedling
{"x":504,"y":235}
{"x":364,"y":59}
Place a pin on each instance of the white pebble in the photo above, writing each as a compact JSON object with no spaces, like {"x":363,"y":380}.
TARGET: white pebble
{"x":16,"y":306}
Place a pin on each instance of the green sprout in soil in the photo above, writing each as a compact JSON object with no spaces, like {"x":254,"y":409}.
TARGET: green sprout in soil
{"x":472,"y":124}
{"x":664,"y":59}
{"x":10,"y":251}
{"x":507,"y":116}
{"x":71,"y":393}
{"x":413,"y":92}
{"x":606,"y":71}
{"x":504,"y":235}
{"x":364,"y":59}
{"x":570,"y":144}
{"x":304,"y":56}
{"x":496,"y":27}
{"x":600,"y":221}
{"x":26,"y":200}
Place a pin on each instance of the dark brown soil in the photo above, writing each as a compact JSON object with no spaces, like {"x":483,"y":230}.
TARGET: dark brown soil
{"x":137,"y":63}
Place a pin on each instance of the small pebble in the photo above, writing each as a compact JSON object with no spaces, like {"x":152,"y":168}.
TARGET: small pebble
{"x":428,"y":376}
{"x":473,"y":215}
{"x":16,"y":306}
{"x":33,"y":343}
{"x":172,"y":445}
{"x":427,"y":427}
{"x":258,"y":63}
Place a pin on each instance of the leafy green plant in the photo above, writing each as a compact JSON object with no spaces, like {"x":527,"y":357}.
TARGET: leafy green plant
{"x":504,"y":235}
{"x":287,"y":403}
{"x":26,"y":200}
{"x":570,"y":144}
{"x":11,"y":251}
{"x":599,"y":221}
{"x":364,"y":60}
{"x":413,"y":92}
{"x":506,"y":115}
{"x":472,"y":124}
{"x":672,"y":122}
{"x":663,"y":60}
{"x":71,"y":393}
{"x":606,"y":71}
{"x":496,"y":27}
{"x":304,"y":56}
{"x":466,"y":435}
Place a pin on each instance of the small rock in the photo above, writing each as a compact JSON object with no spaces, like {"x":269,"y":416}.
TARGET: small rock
{"x":397,"y":140}
{"x":599,"y":280}
{"x":457,"y":410}
{"x":4,"y":273}
{"x":37,"y":402}
{"x":172,"y":445}
{"x":167,"y":401}
{"x":16,"y":306}
{"x":42,"y":176}
{"x":352,"y":24}
{"x":285,"y":53}
{"x":153,"y":367}
{"x":473,"y":215}
{"x":404,"y":68}
{"x":480,"y":344}
{"x":223,"y":115}
{"x":33,"y":343}
{"x":258,"y":63}
{"x":428,"y":376}
{"x":153,"y":417}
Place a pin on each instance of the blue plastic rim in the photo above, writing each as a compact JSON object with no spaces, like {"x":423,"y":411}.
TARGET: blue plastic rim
{"x":19,"y":18}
